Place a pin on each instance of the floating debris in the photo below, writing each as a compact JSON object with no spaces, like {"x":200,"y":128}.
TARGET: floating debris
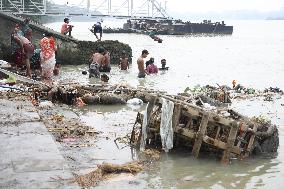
{"x":104,"y":171}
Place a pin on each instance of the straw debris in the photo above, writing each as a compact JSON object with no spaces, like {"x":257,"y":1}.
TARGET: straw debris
{"x":105,"y":171}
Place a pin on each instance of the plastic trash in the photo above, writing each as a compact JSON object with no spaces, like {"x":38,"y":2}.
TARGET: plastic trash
{"x":144,"y":130}
{"x":11,"y":79}
{"x":208,"y":106}
{"x":135,"y":101}
{"x":3,"y":63}
{"x":166,"y":129}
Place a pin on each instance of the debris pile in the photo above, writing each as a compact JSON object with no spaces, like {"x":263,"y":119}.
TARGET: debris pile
{"x":203,"y":129}
{"x":66,"y":129}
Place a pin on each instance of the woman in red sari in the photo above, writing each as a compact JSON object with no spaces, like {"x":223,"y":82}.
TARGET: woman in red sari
{"x":48,"y":48}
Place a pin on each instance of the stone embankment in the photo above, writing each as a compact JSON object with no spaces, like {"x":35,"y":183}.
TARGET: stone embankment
{"x":70,"y":50}
{"x":29,"y":156}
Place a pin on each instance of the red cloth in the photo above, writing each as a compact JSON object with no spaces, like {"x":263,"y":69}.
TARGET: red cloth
{"x":47,"y":46}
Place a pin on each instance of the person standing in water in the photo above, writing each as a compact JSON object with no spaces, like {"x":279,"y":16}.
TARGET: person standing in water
{"x":96,"y":61}
{"x":105,"y":66}
{"x":140,"y":62}
{"x":152,"y":68}
{"x":123,"y":63}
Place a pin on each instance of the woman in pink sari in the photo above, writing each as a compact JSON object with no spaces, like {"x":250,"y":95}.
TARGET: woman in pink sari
{"x":48,"y":48}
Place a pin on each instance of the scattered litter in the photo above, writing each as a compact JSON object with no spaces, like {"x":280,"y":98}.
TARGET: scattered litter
{"x":69,"y":139}
{"x":46,"y":104}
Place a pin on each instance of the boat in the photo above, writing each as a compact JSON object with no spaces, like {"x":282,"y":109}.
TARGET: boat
{"x":171,"y":27}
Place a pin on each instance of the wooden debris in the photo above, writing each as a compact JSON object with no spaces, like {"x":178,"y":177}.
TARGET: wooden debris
{"x":207,"y":130}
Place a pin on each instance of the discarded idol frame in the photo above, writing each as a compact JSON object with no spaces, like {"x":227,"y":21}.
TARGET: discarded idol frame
{"x":171,"y":122}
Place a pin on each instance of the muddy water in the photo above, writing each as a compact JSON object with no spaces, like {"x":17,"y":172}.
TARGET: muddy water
{"x":253,"y":56}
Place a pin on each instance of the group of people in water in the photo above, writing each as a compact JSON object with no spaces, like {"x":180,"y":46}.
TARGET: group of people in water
{"x":42,"y":59}
{"x":151,"y":68}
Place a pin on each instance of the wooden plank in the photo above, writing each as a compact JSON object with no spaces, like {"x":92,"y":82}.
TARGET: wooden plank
{"x":186,"y":132}
{"x":208,"y":140}
{"x":251,"y":140}
{"x":218,"y":132}
{"x":176,"y":116}
{"x":200,"y":134}
{"x":212,"y":118}
{"x":150,"y":107}
{"x":230,"y":143}
{"x":221,"y":145}
{"x":194,"y":110}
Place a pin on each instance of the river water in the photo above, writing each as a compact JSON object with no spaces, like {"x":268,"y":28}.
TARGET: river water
{"x":253,"y":56}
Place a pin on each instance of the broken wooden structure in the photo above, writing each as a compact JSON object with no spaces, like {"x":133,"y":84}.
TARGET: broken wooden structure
{"x":214,"y":130}
{"x":199,"y":129}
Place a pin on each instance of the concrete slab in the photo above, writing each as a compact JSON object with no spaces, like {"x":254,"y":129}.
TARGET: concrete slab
{"x":29,"y":156}
{"x":17,"y":111}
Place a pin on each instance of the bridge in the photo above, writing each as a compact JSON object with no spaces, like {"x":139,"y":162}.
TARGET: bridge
{"x":96,"y":8}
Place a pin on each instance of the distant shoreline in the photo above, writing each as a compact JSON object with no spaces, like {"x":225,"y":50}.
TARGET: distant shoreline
{"x":277,"y":18}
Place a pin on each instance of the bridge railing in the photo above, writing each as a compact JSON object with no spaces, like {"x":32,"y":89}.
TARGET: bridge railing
{"x":106,"y":8}
{"x":23,"y":6}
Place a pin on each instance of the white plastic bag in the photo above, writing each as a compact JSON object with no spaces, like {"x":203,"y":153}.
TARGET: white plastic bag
{"x":166,"y":129}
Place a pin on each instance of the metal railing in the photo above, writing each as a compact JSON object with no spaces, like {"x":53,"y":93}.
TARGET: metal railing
{"x":117,"y":8}
{"x":32,"y":7}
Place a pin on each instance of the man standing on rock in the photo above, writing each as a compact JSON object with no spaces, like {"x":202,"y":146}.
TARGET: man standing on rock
{"x":142,"y":72}
{"x":98,"y":29}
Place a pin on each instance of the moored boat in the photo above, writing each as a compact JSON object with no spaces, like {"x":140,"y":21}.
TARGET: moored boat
{"x":171,"y":27}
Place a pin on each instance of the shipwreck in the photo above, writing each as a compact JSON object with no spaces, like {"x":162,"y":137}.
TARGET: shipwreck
{"x":171,"y":27}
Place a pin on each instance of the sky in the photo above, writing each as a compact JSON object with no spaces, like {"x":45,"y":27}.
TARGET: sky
{"x":202,"y":6}
{"x":184,"y":9}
